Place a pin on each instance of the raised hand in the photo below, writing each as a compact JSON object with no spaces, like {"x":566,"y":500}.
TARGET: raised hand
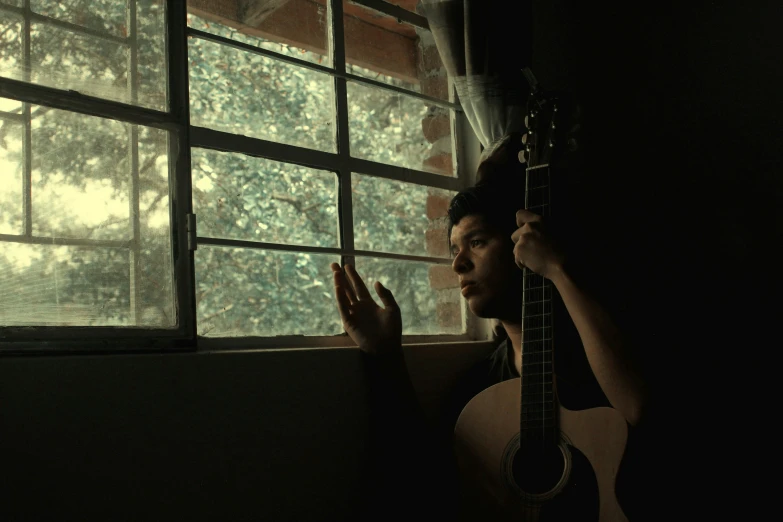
{"x":377,"y":330}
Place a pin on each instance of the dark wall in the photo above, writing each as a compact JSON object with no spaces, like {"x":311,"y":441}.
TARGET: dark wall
{"x":676,"y":209}
{"x":272,"y":435}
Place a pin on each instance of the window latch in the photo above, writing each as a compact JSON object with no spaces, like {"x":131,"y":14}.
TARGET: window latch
{"x":191,"y":231}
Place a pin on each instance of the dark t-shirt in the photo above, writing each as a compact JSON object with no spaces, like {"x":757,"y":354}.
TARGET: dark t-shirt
{"x":577,"y":389}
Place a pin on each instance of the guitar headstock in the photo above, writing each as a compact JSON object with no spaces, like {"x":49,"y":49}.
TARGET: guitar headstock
{"x":552,"y":123}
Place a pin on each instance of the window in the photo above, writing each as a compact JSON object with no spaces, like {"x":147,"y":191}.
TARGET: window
{"x":170,"y":173}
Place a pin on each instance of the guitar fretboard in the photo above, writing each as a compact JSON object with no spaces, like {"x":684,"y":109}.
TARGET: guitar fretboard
{"x":538,"y":420}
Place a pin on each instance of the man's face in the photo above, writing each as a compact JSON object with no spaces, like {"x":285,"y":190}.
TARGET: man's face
{"x":484,"y":260}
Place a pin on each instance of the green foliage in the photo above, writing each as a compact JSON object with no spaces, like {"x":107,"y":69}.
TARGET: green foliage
{"x":239,"y":291}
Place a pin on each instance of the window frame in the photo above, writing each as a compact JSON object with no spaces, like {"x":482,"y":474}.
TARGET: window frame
{"x":183,"y":136}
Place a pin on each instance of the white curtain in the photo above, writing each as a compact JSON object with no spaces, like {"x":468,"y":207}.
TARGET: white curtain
{"x":484,"y":44}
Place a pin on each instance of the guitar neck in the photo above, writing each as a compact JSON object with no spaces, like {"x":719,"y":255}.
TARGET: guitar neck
{"x":538,"y":419}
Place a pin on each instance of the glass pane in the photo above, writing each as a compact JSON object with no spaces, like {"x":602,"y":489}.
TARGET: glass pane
{"x":245,"y":292}
{"x":393,"y":128}
{"x":245,"y":93}
{"x":380,"y":47}
{"x":64,"y":286}
{"x":82,"y":189}
{"x":98,"y":63}
{"x":81,"y":176}
{"x":397,"y":217}
{"x":12,"y":106}
{"x":106,"y":16}
{"x":256,"y":199}
{"x":17,"y":3}
{"x":152,"y":76}
{"x":11,"y":32}
{"x":426,"y":307}
{"x":296,"y":28}
{"x":11,"y":177}
{"x":64,"y":59}
{"x":156,"y":262}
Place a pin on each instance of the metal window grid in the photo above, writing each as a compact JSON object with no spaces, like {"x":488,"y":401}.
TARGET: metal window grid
{"x":182,"y":137}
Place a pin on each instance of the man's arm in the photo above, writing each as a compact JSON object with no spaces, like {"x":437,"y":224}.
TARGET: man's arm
{"x":608,"y":354}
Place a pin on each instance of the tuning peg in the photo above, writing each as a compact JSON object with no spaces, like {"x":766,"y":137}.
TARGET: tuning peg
{"x":522,"y":156}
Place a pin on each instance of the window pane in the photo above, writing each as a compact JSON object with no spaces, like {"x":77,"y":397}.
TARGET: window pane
{"x":61,"y":58}
{"x":11,"y":177}
{"x":256,"y":199}
{"x":397,"y":217}
{"x":156,"y":268}
{"x":84,"y":193}
{"x":106,"y":16}
{"x":380,"y":47}
{"x":64,"y":286}
{"x":296,"y":28}
{"x":96,"y":62}
{"x":426,"y":307}
{"x":246,"y":292}
{"x":245,"y":93}
{"x":82,"y":189}
{"x":152,"y":76}
{"x":393,"y":128}
{"x":11,"y":32}
{"x":11,"y":106}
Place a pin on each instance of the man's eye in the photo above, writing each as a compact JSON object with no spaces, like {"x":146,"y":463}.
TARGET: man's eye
{"x":476,"y":242}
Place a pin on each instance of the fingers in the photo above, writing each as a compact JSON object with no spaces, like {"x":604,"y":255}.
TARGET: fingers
{"x":341,"y":292}
{"x":386,"y":296}
{"x":525,"y":216}
{"x":356,"y":281}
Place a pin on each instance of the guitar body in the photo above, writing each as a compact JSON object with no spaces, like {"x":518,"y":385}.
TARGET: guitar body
{"x":581,"y":476}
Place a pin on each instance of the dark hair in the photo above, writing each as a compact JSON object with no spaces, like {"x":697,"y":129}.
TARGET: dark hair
{"x":499,"y":191}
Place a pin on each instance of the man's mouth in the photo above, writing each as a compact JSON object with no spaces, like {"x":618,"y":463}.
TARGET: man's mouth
{"x":468,"y":288}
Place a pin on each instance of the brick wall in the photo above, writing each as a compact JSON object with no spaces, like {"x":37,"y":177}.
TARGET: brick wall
{"x":437,"y":129}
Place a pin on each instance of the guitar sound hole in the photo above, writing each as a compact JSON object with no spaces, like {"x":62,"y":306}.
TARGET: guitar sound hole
{"x":537,"y":469}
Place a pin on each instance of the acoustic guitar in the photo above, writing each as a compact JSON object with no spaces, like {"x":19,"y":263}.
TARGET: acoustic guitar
{"x":522,"y":456}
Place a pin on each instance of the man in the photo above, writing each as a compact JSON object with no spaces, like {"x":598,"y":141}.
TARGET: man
{"x":491,"y":238}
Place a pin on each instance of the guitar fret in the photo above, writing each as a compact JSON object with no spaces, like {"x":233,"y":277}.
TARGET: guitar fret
{"x":537,"y":323}
{"x":527,"y":358}
{"x":536,"y":302}
{"x":536,"y":167}
{"x":536,"y":381}
{"x":537,"y":328}
{"x":529,"y":350}
{"x":543,"y":339}
{"x":536,"y":405}
{"x":533,"y":411}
